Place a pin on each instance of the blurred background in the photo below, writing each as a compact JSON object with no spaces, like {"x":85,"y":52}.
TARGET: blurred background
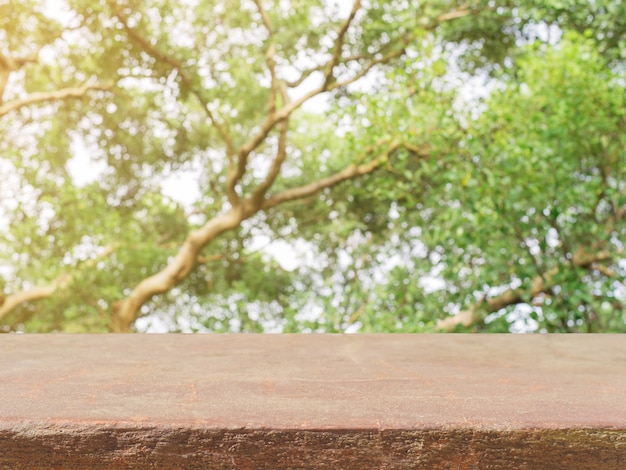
{"x":312,"y":166}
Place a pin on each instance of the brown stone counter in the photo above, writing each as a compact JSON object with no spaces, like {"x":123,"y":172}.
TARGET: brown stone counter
{"x":313,"y":401}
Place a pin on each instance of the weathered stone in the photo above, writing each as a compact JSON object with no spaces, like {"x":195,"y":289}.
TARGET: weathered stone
{"x":316,"y":401}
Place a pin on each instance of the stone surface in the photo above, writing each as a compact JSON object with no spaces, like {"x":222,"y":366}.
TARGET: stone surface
{"x":313,"y":401}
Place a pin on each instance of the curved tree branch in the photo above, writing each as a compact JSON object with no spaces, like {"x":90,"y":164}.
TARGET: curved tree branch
{"x":62,"y":94}
{"x":478,"y":311}
{"x":36,"y":293}
{"x":126,"y":311}
{"x":63,"y":281}
{"x":349,"y":172}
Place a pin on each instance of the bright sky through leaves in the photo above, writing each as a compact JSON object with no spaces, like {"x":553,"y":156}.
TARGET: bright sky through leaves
{"x":419,"y":166}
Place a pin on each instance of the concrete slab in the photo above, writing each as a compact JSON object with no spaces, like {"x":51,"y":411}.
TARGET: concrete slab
{"x":313,"y":401}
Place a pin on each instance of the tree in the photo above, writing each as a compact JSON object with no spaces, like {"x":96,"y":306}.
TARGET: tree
{"x":153,"y":90}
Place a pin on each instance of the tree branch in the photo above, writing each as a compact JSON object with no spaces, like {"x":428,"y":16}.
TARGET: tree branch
{"x":277,"y":162}
{"x":328,"y":69}
{"x":10,"y":302}
{"x":306,"y":73}
{"x":264,"y":17}
{"x":126,"y":311}
{"x":61,"y":94}
{"x":478,"y":311}
{"x":303,"y":76}
{"x":460,"y":12}
{"x":347,"y":173}
{"x":278,"y":88}
{"x":236,"y":171}
{"x":366,"y":69}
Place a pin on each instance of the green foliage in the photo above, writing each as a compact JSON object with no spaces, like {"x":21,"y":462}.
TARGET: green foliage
{"x":537,"y":182}
{"x":498,"y":128}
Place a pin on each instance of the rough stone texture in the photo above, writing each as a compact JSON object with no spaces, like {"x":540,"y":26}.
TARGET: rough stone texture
{"x":316,"y":401}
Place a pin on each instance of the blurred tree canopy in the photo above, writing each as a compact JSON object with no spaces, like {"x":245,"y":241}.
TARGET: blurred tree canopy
{"x":301,"y":165}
